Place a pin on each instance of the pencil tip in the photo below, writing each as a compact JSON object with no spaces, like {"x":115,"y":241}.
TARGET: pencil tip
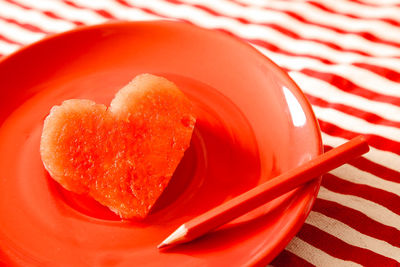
{"x":162,"y":245}
{"x":176,"y":237}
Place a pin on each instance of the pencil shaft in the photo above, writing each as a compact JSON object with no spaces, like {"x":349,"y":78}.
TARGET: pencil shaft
{"x":275,"y":187}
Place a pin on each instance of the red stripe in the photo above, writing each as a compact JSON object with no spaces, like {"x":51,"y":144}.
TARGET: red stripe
{"x":270,"y":25}
{"x":294,"y":35}
{"x":105,"y":14}
{"x":348,"y":86}
{"x":7,"y":40}
{"x":376,"y":169}
{"x":355,"y":112}
{"x":391,"y":21}
{"x":108,"y":15}
{"x":366,"y":3}
{"x":277,"y":27}
{"x":373,"y":140}
{"x":340,"y":249}
{"x":274,"y":48}
{"x":102,"y":12}
{"x":331,"y":10}
{"x":55,"y":16}
{"x":358,"y":221}
{"x":366,"y":35}
{"x":287,"y":258}
{"x":124,"y":3}
{"x":390,"y":74}
{"x":147,"y":10}
{"x":25,"y":26}
{"x":382,"y":71}
{"x":388,"y":200}
{"x":47,"y":13}
{"x":262,"y":43}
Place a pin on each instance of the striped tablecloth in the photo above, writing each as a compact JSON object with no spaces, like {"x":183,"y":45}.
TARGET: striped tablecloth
{"x":344,"y":54}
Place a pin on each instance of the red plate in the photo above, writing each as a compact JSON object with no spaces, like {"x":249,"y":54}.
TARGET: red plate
{"x":253,"y":123}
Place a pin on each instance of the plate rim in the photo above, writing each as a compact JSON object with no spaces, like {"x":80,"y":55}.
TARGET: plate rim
{"x":263,"y":256}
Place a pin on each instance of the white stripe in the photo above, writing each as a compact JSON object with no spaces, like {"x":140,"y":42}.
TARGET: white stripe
{"x":297,"y":62}
{"x":352,"y":236}
{"x":382,"y":2}
{"x":119,"y":11}
{"x":363,"y":10}
{"x":34,"y":18}
{"x":7,"y":48}
{"x":248,"y":31}
{"x":371,"y":209}
{"x":355,"y":124}
{"x":129,"y":13}
{"x":315,"y":255}
{"x":359,"y":76}
{"x":352,"y":174}
{"x":385,"y":158}
{"x":378,"y":28}
{"x":65,"y":11}
{"x":323,"y":90}
{"x":18,"y":34}
{"x":349,"y":41}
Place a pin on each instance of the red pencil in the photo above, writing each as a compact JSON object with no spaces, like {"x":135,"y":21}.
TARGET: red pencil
{"x":267,"y":191}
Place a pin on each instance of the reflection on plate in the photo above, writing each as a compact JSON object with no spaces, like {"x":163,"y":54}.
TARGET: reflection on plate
{"x":253,"y":123}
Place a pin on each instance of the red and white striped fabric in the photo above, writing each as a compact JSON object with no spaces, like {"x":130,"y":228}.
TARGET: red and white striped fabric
{"x":344,"y":54}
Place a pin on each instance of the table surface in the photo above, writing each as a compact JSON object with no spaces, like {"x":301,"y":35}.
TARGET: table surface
{"x":344,"y":54}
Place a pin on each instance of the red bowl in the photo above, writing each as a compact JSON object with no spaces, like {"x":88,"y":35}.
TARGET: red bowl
{"x":253,"y":124}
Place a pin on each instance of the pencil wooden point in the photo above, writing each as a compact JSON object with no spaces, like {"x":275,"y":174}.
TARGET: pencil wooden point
{"x":162,"y":245}
{"x":176,"y":237}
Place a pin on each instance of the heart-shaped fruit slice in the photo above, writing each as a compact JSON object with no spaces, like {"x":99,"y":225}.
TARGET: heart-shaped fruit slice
{"x":122,"y":156}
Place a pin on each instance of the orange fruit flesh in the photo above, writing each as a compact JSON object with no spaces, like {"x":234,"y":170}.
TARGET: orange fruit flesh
{"x":123,"y":156}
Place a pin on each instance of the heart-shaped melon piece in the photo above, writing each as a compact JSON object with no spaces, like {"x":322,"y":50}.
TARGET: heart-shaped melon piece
{"x":122,"y":156}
